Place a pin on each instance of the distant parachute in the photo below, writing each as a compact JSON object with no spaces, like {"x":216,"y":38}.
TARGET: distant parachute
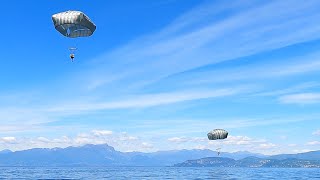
{"x":73,"y":24}
{"x":217,"y":134}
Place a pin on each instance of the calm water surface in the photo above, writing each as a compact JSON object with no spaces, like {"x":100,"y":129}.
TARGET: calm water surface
{"x":155,"y":173}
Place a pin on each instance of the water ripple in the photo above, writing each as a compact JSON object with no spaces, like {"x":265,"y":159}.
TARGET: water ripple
{"x":154,"y":173}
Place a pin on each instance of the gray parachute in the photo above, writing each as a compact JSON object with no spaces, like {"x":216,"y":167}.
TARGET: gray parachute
{"x":217,"y":134}
{"x":73,"y":24}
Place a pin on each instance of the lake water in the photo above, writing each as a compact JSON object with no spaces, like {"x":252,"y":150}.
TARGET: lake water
{"x":140,"y":173}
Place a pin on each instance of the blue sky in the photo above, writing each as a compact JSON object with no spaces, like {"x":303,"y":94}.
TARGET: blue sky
{"x":160,"y":75}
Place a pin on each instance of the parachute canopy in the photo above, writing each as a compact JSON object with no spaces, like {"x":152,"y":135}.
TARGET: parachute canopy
{"x":73,"y":24}
{"x":217,"y":134}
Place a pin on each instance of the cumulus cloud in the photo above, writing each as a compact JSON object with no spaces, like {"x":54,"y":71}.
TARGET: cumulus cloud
{"x":8,"y":139}
{"x":230,"y":144}
{"x":267,"y":145}
{"x":147,"y":145}
{"x":239,"y":140}
{"x":231,"y":140}
{"x":125,"y":142}
{"x":43,"y":139}
{"x":120,"y":141}
{"x":178,"y":139}
{"x":128,"y":138}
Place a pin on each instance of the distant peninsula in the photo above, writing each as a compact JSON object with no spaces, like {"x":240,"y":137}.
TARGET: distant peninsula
{"x":250,"y":162}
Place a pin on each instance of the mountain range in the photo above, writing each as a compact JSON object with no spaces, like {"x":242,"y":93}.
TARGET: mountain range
{"x":105,"y":155}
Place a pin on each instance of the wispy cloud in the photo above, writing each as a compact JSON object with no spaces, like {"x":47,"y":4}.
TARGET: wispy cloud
{"x":101,"y":132}
{"x":35,"y":118}
{"x":313,"y":143}
{"x":300,"y":98}
{"x":168,"y":127}
{"x":141,"y":74}
{"x":293,"y":89}
{"x":175,"y":48}
{"x":149,"y":100}
{"x":317,"y":132}
{"x":186,"y":139}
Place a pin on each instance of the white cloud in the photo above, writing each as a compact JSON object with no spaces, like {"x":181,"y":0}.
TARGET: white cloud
{"x":62,"y":140}
{"x":301,"y":98}
{"x":301,"y":150}
{"x":231,"y":144}
{"x":149,"y":100}
{"x":237,"y":140}
{"x":267,"y":145}
{"x":128,"y":143}
{"x":174,"y":49}
{"x":120,"y":141}
{"x":126,"y":137}
{"x":146,"y":145}
{"x":200,"y":147}
{"x":101,"y":132}
{"x":178,"y":139}
{"x":187,"y":139}
{"x":317,"y":132}
{"x":231,"y":140}
{"x":43,"y":139}
{"x":8,"y":139}
{"x":313,"y":143}
{"x":289,"y":90}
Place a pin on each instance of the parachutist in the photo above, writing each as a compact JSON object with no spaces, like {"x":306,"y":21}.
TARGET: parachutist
{"x":218,"y":151}
{"x":218,"y":134}
{"x":73,"y":24}
{"x":72,"y":57}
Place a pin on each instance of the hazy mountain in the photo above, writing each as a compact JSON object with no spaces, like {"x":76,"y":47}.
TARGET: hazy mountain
{"x":5,"y":151}
{"x":241,"y":154}
{"x":85,"y":155}
{"x":312,"y":155}
{"x":104,"y":155}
